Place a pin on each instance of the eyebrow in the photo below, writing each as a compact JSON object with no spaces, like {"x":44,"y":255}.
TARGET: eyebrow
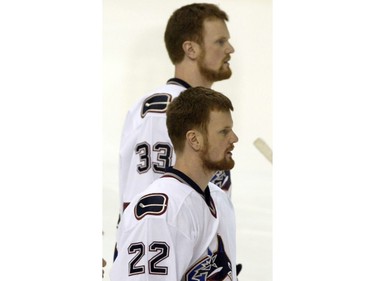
{"x":223,"y":37}
{"x":225,"y":128}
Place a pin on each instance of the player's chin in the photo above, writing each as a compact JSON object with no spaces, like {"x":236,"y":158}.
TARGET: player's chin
{"x":226,"y":67}
{"x":228,"y":164}
{"x":225,"y":72}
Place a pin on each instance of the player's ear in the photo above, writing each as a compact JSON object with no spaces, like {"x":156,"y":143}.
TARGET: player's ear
{"x":191,"y":49}
{"x":194,"y":139}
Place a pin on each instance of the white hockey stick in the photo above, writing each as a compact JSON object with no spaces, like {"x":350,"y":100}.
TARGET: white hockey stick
{"x":263,"y":147}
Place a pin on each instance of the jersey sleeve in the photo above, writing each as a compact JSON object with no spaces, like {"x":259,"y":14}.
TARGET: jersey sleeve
{"x":153,"y":250}
{"x":145,"y":152}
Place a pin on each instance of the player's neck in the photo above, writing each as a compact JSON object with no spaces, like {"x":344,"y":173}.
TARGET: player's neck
{"x":192,"y":76}
{"x":199,"y":175}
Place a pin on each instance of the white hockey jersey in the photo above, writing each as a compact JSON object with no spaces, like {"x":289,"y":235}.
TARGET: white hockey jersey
{"x":145,"y":149}
{"x":175,"y":231}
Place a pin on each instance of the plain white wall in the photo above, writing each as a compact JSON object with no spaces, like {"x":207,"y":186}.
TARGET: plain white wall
{"x":135,"y":62}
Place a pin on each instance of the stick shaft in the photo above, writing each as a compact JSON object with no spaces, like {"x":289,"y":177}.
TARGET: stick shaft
{"x":263,"y":148}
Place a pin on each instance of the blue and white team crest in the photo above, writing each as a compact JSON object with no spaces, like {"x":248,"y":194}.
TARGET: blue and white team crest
{"x":222,"y":179}
{"x":214,"y":267}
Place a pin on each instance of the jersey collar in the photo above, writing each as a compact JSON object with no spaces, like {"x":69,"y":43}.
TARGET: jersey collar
{"x":178,"y":81}
{"x":180,"y":176}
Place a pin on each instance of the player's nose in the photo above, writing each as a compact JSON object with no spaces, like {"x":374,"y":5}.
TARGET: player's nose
{"x":230,"y":49}
{"x":234,"y":138}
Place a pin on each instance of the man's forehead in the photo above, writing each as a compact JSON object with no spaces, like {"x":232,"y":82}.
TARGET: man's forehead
{"x":222,"y":118}
{"x":215,"y":27}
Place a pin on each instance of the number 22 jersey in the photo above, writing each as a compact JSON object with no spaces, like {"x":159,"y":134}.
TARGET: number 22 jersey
{"x":175,"y":231}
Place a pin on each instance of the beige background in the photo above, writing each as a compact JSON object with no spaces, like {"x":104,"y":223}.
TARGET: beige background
{"x":135,"y":62}
{"x":323,"y":137}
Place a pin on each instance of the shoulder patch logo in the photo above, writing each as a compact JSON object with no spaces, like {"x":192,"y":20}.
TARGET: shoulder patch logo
{"x":154,"y":204}
{"x":156,"y":103}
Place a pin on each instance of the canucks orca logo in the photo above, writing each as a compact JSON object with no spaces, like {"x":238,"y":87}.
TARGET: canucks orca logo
{"x":222,"y":179}
{"x":214,"y":267}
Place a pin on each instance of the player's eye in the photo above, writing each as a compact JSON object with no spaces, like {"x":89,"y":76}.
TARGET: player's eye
{"x":224,"y":132}
{"x":221,"y":42}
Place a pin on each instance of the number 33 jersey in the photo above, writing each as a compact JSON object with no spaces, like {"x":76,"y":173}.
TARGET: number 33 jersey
{"x":145,"y":149}
{"x":175,"y":231}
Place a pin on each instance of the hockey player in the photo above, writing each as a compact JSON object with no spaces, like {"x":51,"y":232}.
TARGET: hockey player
{"x":182,"y":227}
{"x":197,"y":40}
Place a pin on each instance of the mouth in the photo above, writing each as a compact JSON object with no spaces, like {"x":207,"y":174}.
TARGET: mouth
{"x":226,"y":61}
{"x":229,"y":151}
